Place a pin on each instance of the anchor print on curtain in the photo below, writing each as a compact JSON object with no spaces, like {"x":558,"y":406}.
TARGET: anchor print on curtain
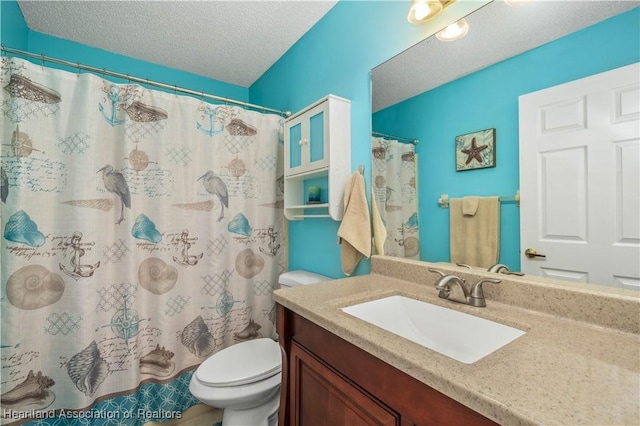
{"x":394,"y":184}
{"x":141,"y":233}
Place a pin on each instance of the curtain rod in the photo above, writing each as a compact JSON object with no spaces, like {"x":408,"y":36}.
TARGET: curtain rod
{"x":127,"y":77}
{"x":400,"y":139}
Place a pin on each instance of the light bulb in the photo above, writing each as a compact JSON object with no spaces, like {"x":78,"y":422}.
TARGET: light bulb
{"x":455,"y":31}
{"x":421,"y":11}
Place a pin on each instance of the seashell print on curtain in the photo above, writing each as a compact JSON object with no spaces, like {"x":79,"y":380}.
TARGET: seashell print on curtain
{"x":141,"y":233}
{"x":394,"y":186}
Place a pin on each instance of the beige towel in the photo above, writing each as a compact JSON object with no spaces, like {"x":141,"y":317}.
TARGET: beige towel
{"x":355,"y":230}
{"x":475,"y":240}
{"x":379,"y":230}
{"x":470,"y":205}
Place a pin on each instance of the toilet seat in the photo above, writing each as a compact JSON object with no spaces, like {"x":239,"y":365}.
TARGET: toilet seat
{"x":241,"y":364}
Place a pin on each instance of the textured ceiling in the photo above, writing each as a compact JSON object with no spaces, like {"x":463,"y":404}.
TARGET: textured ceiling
{"x":230,"y":41}
{"x":496,"y":32}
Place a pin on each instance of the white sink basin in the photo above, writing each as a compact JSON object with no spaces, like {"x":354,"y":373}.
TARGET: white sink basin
{"x":460,"y":336}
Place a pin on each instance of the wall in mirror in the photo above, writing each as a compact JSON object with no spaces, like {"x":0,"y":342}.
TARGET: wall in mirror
{"x":487,"y":98}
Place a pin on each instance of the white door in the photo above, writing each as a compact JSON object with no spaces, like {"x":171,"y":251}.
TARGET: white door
{"x":579,"y":179}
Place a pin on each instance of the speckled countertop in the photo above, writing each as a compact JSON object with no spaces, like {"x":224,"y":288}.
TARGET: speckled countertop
{"x":577,"y":364}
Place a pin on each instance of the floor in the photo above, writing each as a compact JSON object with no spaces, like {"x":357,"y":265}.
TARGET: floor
{"x":198,"y":415}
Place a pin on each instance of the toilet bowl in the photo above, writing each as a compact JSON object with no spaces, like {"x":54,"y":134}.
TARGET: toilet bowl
{"x":244,"y":379}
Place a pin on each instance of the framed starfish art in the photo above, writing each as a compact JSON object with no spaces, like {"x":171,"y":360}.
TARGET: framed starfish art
{"x":476,"y":150}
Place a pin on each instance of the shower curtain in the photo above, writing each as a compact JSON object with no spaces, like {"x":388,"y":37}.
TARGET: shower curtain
{"x":142,"y":233}
{"x":394,"y":166}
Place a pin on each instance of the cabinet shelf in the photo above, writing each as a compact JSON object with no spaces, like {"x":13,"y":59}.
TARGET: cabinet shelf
{"x":308,"y":216}
{"x":309,"y":174}
{"x":310,"y":206}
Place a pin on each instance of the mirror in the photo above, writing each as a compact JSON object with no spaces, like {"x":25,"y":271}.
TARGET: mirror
{"x":430,"y":92}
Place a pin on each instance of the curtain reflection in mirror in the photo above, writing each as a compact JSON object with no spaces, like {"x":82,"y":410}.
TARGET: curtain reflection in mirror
{"x":394,"y":192}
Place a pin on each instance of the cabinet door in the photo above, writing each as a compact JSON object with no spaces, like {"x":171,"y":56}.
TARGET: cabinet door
{"x":307,"y":147}
{"x":317,"y":146}
{"x":294,"y":144}
{"x":320,"y":396}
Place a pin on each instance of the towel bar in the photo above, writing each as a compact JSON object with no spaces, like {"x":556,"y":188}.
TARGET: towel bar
{"x":443,"y":201}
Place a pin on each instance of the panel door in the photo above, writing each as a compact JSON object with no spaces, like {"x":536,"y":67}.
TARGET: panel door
{"x":579,"y":179}
{"x":322,"y":397}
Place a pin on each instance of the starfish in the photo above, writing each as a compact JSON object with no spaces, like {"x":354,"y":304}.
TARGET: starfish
{"x":474,"y":151}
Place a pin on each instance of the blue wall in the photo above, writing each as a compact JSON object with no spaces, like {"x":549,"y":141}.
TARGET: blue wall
{"x":336,"y":56}
{"x":489,"y":99}
{"x":13,"y":28}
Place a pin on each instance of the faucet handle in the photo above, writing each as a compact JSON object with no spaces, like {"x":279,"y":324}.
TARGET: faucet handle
{"x":442,"y":274}
{"x":476,"y":290}
{"x":476,"y":295}
{"x":498,"y":267}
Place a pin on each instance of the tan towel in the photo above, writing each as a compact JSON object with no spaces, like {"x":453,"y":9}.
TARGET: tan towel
{"x":475,"y":240}
{"x":470,"y":205}
{"x":355,"y":230}
{"x":379,"y":230}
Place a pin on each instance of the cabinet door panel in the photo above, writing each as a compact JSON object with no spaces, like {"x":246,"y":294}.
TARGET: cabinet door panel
{"x":322,"y":397}
{"x":295,"y":149}
{"x":316,"y":139}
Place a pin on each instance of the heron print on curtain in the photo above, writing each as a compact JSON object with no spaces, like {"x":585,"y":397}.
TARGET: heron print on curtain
{"x":394,"y":188}
{"x":141,"y":233}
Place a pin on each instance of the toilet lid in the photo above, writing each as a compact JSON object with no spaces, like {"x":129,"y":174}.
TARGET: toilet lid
{"x":241,"y":364}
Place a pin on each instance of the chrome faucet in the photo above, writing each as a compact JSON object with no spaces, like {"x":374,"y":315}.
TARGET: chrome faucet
{"x":447,"y":285}
{"x":503,"y":269}
{"x":464,"y":265}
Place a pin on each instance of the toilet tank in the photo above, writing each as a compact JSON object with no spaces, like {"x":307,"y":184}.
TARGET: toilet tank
{"x":296,"y":278}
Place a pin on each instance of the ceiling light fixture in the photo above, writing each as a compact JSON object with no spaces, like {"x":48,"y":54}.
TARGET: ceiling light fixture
{"x":454,"y":32}
{"x":423,"y":10}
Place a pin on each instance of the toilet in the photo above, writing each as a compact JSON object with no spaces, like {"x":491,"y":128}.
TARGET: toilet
{"x":244,"y":379}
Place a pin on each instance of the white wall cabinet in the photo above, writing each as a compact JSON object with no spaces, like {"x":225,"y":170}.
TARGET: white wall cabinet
{"x":317,"y":153}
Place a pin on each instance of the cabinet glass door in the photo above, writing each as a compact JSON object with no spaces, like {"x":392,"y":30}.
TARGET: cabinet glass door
{"x":295,"y":148}
{"x":316,"y":137}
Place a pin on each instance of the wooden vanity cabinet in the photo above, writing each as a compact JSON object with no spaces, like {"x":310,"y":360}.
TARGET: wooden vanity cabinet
{"x":329,"y":381}
{"x":324,"y":397}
